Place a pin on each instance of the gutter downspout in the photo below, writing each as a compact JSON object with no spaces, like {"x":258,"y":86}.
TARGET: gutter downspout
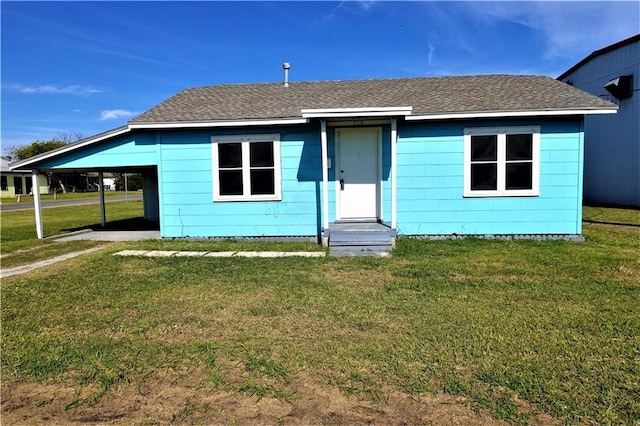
{"x":37,"y":205}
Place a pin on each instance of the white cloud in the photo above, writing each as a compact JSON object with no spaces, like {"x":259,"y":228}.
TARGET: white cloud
{"x":111,"y":114}
{"x":365,"y":4}
{"x":430,"y":55}
{"x":54,"y":89}
{"x":568,"y":27}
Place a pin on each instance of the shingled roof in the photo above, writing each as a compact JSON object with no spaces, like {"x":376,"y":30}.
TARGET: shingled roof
{"x":427,"y":96}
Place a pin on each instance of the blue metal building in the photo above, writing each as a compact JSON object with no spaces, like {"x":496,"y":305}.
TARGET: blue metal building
{"x":612,"y":142}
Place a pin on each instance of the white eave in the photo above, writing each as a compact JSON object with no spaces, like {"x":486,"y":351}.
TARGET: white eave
{"x":307,"y":114}
{"x":356,"y":112}
{"x":505,"y":114}
{"x":154,"y":126}
{"x":71,"y":147}
{"x":224,"y":123}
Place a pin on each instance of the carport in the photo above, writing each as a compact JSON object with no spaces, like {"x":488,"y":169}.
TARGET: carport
{"x":119,"y":151}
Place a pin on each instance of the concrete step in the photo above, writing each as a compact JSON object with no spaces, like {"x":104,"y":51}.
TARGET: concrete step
{"x":356,"y":244}
{"x":360,"y":236}
{"x":360,"y":239}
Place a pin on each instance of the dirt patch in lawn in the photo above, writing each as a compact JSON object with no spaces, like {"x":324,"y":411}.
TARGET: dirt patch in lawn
{"x":174,"y":398}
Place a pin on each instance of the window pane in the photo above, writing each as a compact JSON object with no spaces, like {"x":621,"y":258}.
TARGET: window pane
{"x":262,"y":182}
{"x":519,"y":176}
{"x":261,"y":154}
{"x":484,"y":148}
{"x":519,"y":147}
{"x":484,"y":177}
{"x":229,"y":155}
{"x":230,"y":182}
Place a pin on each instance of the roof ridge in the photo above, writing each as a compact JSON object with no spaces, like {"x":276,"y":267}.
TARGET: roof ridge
{"x":375,"y":79}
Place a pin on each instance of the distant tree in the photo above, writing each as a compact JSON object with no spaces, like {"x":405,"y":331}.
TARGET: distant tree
{"x":38,"y":147}
{"x":34,"y":148}
{"x":134,"y":182}
{"x":69,"y":137}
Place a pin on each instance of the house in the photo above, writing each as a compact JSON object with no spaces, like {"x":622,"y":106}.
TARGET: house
{"x":18,"y":182}
{"x":93,"y":182}
{"x":612,"y":142}
{"x":469,"y":155}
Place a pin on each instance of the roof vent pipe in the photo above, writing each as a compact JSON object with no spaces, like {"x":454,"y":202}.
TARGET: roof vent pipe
{"x":286,"y":67}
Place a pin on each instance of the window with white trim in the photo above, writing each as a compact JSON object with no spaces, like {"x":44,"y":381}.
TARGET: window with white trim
{"x":246,"y":168}
{"x":502,"y":162}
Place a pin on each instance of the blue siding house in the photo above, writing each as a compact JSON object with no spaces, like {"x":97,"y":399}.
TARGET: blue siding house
{"x":471,"y":155}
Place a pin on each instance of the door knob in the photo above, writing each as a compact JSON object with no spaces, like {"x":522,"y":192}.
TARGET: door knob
{"x":341,"y":184}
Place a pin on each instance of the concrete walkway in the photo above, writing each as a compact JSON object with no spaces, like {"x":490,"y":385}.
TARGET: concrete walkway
{"x":108,"y":235}
{"x":8,"y":272}
{"x":168,"y":253}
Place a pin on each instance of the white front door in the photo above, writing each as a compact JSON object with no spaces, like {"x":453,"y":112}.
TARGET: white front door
{"x":358,"y":173}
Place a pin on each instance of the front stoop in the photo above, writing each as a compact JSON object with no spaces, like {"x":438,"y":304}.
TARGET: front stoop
{"x":360,"y":239}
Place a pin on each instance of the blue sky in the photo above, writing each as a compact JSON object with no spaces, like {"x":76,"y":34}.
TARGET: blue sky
{"x":88,"y":67}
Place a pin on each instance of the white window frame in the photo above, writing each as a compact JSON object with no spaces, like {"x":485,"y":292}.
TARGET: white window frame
{"x":501,"y":133}
{"x":246,"y":140}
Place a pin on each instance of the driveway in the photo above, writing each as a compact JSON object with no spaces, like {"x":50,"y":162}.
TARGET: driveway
{"x":110,"y":235}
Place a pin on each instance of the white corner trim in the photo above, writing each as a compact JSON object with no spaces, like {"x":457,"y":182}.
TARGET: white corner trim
{"x":499,"y":114}
{"x":228,"y":123}
{"x":325,"y":175}
{"x":393,"y":172}
{"x":356,"y":112}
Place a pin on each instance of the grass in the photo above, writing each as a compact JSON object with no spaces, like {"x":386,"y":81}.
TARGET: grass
{"x":18,"y":240}
{"x":515,"y":327}
{"x":66,"y":196}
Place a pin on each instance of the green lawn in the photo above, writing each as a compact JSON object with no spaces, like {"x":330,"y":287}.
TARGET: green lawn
{"x":18,"y":240}
{"x":66,"y":196}
{"x":517,"y":328}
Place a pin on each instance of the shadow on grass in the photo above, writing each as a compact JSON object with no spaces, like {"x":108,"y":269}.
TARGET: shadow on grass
{"x":133,"y":224}
{"x":603,"y":222}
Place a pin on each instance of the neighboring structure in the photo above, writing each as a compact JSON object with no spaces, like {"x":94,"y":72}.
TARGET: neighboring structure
{"x":18,"y":182}
{"x":93,"y":182}
{"x":476,"y":155}
{"x":612,"y":142}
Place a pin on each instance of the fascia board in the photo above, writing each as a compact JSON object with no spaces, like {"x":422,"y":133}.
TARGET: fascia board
{"x":501,"y":114}
{"x":68,"y":148}
{"x":201,"y":124}
{"x":356,"y":112}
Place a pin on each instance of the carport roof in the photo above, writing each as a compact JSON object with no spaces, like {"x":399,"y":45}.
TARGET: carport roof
{"x":28,"y":162}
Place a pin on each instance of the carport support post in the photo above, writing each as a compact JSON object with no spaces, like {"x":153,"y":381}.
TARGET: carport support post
{"x":37,"y":205}
{"x":103,"y":213}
